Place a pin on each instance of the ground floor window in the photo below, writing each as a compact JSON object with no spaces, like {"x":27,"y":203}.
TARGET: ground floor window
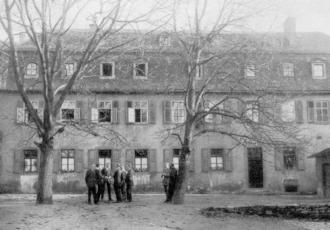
{"x":217,"y":159}
{"x":289,"y":157}
{"x":141,"y":160}
{"x":176,"y":156}
{"x":67,"y":160}
{"x":104,"y":158}
{"x":30,"y":161}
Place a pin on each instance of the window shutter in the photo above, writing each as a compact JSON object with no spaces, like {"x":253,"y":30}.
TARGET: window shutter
{"x":152,"y":160}
{"x":92,"y":157}
{"x":56,"y":160}
{"x":115,"y":158}
{"x":129,"y":111}
{"x":130,"y":157}
{"x":168,"y":157}
{"x":152,"y":112}
{"x":77,"y":111}
{"x":310,"y":111}
{"x":20,"y":112}
{"x":228,"y":110}
{"x":278,"y":154}
{"x":93,"y":115}
{"x":299,"y":111}
{"x":228,"y":160}
{"x":206,"y":160}
{"x":79,"y":160}
{"x":41,"y":110}
{"x":167,"y":112}
{"x":18,"y":161}
{"x":192,"y":160}
{"x":300,"y":158}
{"x":114,"y":112}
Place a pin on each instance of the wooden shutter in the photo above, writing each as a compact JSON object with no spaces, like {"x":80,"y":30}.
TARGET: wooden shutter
{"x":228,"y":157}
{"x":57,"y":160}
{"x":299,"y":111}
{"x":278,"y":154}
{"x":115,"y":158}
{"x":94,"y":113}
{"x":18,"y":161}
{"x":152,"y":160}
{"x":41,"y":109}
{"x":300,"y":158}
{"x":129,"y":105}
{"x":20,"y":112}
{"x":310,"y":111}
{"x":79,"y":160}
{"x":206,"y":160}
{"x":167,"y":113}
{"x":129,"y":158}
{"x":192,"y":160}
{"x":168,"y":157}
{"x":152,"y":112}
{"x":114,"y":112}
{"x":227,"y":106}
{"x":92,"y":157}
{"x":77,"y":111}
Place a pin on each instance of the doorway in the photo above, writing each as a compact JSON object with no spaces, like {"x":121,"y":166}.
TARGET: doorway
{"x":255,"y":167}
{"x":326,"y":180}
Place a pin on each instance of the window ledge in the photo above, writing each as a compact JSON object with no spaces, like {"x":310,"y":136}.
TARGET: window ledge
{"x":107,"y":77}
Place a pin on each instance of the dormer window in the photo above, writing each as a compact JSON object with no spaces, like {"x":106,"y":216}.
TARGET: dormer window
{"x":250,"y":71}
{"x":140,"y":70}
{"x":318,"y":70}
{"x":31,"y":70}
{"x":164,"y":40}
{"x":107,"y":70}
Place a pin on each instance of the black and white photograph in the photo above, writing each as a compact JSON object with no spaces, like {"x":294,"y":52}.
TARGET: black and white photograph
{"x":165,"y":114}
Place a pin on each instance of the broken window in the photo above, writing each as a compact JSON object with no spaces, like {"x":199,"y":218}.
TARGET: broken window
{"x":217,"y":159}
{"x":140,"y":70}
{"x":317,"y":111}
{"x":105,"y":158}
{"x":290,"y":158}
{"x":104,"y":111}
{"x":67,"y":160}
{"x":252,"y":111}
{"x":30,"y":161}
{"x":164,"y":40}
{"x":69,"y":111}
{"x":141,"y":160}
{"x":107,"y":69}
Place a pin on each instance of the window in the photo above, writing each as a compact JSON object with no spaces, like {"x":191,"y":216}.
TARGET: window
{"x":288,"y":70}
{"x":217,"y":159}
{"x":104,"y":111}
{"x":288,"y":111}
{"x":289,"y":157}
{"x":108,"y":70}
{"x":30,"y":161}
{"x":318,"y":70}
{"x":317,"y":111}
{"x":178,"y":111}
{"x":31,"y":71}
{"x":176,"y":156}
{"x":252,"y":112}
{"x":250,"y":71}
{"x":141,"y":160}
{"x":3,"y":81}
{"x":209,"y":118}
{"x":28,"y":117}
{"x":104,"y":158}
{"x":137,"y":111}
{"x":164,"y":40}
{"x":140,"y":70}
{"x":69,"y":111}
{"x":67,"y":160}
{"x":69,"y":69}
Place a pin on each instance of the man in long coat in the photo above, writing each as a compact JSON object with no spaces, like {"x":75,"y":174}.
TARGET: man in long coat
{"x":106,"y":173}
{"x":117,"y":183}
{"x":129,"y":183}
{"x":90,"y":179}
{"x":172,"y":182}
{"x":100,"y":183}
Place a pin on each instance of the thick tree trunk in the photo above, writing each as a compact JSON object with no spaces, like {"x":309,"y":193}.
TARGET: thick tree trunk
{"x":45,"y":179}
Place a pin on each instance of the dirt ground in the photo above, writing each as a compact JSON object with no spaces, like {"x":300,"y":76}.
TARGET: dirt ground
{"x":146,"y":212}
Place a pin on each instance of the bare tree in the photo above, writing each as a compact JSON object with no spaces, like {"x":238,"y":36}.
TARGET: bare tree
{"x":221,"y":97}
{"x":48,"y":24}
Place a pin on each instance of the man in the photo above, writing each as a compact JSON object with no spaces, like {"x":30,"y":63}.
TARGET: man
{"x":166,"y":180}
{"x":117,"y":183}
{"x":106,"y":173}
{"x":123,"y":184}
{"x":90,"y":180}
{"x":129,"y":183}
{"x":172,"y":182}
{"x":100,"y":183}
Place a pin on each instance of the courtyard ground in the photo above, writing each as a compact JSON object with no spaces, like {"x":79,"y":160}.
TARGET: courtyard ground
{"x":147,"y":211}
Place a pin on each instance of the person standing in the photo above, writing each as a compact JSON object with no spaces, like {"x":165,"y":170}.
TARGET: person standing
{"x":106,"y":173}
{"x":123,"y":184}
{"x":90,"y":180}
{"x":172,"y":182}
{"x":100,"y":183}
{"x":117,"y":183}
{"x":129,"y":183}
{"x":166,"y":180}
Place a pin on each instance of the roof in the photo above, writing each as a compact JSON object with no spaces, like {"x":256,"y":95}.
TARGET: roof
{"x":324,"y":152}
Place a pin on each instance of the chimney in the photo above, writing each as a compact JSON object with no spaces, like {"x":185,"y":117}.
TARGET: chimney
{"x":289,"y":27}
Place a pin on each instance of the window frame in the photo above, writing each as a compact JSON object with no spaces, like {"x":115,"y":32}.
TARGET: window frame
{"x":141,"y":164}
{"x":64,"y":106}
{"x":29,"y":75}
{"x":177,"y":111}
{"x":30,"y":171}
{"x":285,"y":151}
{"x":68,"y":158}
{"x":319,"y":63}
{"x":109,"y":152}
{"x":135,"y":76}
{"x":66,"y":69}
{"x":133,"y":109}
{"x":254,"y":110}
{"x":164,"y":40}
{"x":248,"y":70}
{"x":112,"y":76}
{"x":214,"y":153}
{"x":288,"y":69}
{"x":104,"y":108}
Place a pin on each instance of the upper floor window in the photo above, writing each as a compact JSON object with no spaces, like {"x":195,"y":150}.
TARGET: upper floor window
{"x":250,"y":71}
{"x":217,"y":159}
{"x":164,"y":40}
{"x":252,"y":111}
{"x":67,"y":160}
{"x":69,"y":111}
{"x":317,"y":111}
{"x":69,"y":69}
{"x":289,"y":157}
{"x":30,"y":160}
{"x":288,"y":111}
{"x":178,"y":111}
{"x":107,"y":70}
{"x":104,"y":111}
{"x":137,"y":111}
{"x":141,"y":160}
{"x":31,"y":70}
{"x":104,"y":158}
{"x":140,"y":70}
{"x":318,"y":70}
{"x":288,"y":70}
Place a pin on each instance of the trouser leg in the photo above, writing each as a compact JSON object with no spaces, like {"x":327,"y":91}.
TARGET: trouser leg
{"x":170,"y":191}
{"x":118,"y":193}
{"x":129,"y":193}
{"x":93,"y":191}
{"x":89,"y":195}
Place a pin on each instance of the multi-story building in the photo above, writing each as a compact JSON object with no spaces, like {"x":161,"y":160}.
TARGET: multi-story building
{"x":136,"y":96}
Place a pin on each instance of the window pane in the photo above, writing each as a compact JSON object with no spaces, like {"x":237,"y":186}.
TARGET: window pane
{"x":140,"y":69}
{"x":318,"y":70}
{"x":64,"y":164}
{"x":213,"y":160}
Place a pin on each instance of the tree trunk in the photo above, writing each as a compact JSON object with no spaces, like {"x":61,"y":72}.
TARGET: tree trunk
{"x":45,"y":178}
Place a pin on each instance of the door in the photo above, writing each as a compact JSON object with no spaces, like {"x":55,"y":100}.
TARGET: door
{"x":326,"y":179}
{"x":255,"y":167}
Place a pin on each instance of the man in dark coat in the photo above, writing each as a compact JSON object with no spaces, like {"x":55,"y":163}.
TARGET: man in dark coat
{"x":90,"y":179}
{"x":100,"y":183}
{"x":123,"y":184}
{"x":106,"y":173}
{"x":172,"y":182}
{"x":129,"y":183}
{"x":166,"y":180}
{"x":117,"y":183}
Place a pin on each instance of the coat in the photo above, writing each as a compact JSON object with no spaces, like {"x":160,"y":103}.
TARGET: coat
{"x":99,"y":177}
{"x":90,"y":178}
{"x":117,"y":177}
{"x":173,"y":175}
{"x":106,"y":175}
{"x":129,"y":178}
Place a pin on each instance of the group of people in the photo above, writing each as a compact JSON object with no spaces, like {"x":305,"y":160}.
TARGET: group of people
{"x":97,"y":179}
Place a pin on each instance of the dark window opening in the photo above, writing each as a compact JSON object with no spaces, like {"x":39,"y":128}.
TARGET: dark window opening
{"x":107,"y":69}
{"x":104,"y":115}
{"x":67,"y":114}
{"x":289,"y":155}
{"x":67,"y":160}
{"x":140,"y":70}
